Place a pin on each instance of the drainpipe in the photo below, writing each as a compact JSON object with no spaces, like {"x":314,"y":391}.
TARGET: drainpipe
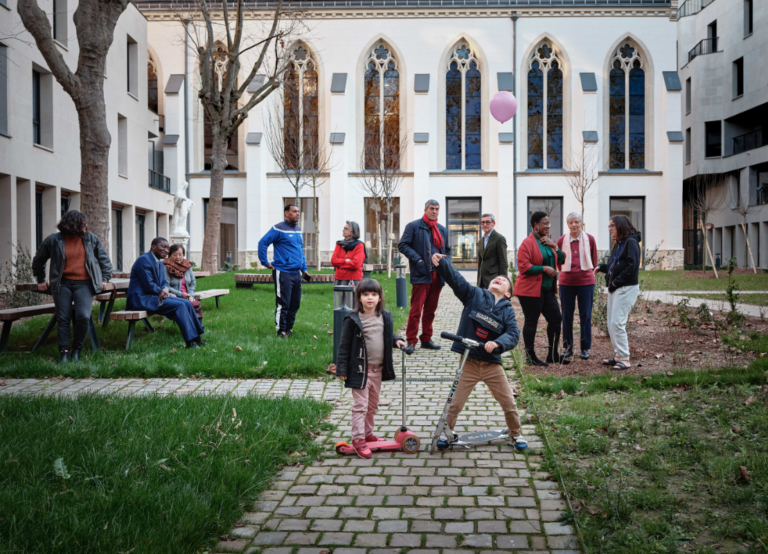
{"x":514,"y":126}
{"x":186,"y":126}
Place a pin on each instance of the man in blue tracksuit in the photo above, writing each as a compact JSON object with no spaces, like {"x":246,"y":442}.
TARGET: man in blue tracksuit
{"x":288,"y":266}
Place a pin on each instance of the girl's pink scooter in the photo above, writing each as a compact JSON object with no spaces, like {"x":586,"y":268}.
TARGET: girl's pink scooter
{"x":405,"y":440}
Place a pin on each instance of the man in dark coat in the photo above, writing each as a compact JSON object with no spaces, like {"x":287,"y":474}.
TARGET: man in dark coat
{"x":420,"y":241}
{"x":148,"y":290}
{"x":491,"y":253}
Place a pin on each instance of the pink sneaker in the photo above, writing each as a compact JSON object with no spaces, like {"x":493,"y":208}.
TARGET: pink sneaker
{"x":373,"y":438}
{"x":361,"y":447}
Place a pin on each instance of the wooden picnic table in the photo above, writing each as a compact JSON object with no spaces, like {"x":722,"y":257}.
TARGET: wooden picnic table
{"x":127,"y":274}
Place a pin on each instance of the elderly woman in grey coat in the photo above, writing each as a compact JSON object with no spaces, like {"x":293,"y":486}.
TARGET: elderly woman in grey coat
{"x":181,"y":278}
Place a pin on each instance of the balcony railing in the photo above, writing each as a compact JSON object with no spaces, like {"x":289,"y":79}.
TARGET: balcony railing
{"x":706,"y":46}
{"x":318,"y":4}
{"x":749,"y":141}
{"x":692,"y":7}
{"x":159,"y":181}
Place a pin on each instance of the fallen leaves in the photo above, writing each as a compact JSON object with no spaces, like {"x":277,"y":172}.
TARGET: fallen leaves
{"x":749,"y":401}
{"x":743,"y":473}
{"x":238,"y":349}
{"x":561,"y":394}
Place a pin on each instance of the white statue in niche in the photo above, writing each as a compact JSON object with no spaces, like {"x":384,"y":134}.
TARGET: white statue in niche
{"x":181,"y":207}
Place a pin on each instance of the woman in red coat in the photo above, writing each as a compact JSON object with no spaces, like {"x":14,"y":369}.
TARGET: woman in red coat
{"x":536,"y":288}
{"x":349,"y":256}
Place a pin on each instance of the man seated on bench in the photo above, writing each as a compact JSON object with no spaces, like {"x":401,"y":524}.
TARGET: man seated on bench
{"x":148,"y":291}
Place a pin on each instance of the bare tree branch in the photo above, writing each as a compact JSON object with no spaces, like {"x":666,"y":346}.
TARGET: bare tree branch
{"x":708,"y":196}
{"x":742,"y":206}
{"x":584,"y":181}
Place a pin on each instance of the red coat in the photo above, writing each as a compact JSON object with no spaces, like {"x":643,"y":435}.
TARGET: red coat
{"x":529,"y":255}
{"x":348,"y":270}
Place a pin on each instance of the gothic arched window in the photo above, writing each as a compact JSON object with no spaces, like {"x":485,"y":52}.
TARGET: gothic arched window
{"x":463,"y":105}
{"x":381,"y":91}
{"x":152,"y":98}
{"x":627,"y":109}
{"x":545,"y":109}
{"x":220,"y":60}
{"x":300,"y":110}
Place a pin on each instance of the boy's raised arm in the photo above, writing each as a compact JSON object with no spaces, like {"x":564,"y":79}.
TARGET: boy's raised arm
{"x":461,"y":288}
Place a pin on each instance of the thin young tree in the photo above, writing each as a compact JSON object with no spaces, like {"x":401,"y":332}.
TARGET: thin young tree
{"x":744,"y":209}
{"x":282,"y":137}
{"x":584,"y":179}
{"x":95,"y":22}
{"x":231,"y":53}
{"x":708,"y":195}
{"x":316,"y":174}
{"x":382,"y":177}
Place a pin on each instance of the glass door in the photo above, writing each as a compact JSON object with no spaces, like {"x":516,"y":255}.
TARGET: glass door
{"x":463,"y":231}
{"x":634,"y":209}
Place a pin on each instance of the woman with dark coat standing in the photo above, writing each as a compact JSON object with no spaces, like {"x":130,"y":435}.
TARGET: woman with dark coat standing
{"x":577,"y":282}
{"x":536,"y":288}
{"x":181,"y":278}
{"x":622,"y":274}
{"x":80,"y":268}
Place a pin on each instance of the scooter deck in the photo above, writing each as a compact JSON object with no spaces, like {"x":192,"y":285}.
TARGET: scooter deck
{"x":468,"y":440}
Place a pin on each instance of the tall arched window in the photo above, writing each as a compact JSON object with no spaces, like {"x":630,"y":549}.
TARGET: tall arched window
{"x":300,"y":110}
{"x":152,"y":98}
{"x":381,"y":89}
{"x":627,"y":109}
{"x":463,"y":105}
{"x":545,"y":109}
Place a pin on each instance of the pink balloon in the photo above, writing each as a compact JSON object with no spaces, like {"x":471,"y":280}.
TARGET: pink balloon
{"x":503,"y":106}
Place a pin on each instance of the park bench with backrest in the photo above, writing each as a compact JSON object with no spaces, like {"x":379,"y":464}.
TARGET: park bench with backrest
{"x":212,"y":293}
{"x":247,"y":280}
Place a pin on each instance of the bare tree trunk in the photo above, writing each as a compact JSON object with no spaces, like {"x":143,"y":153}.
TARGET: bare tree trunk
{"x":749,"y":247}
{"x":708,"y":251}
{"x":316,"y":216}
{"x":389,"y":238}
{"x":213,"y":222}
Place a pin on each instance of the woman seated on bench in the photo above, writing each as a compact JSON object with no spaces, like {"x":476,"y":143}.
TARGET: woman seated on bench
{"x":79,"y":269}
{"x":181,"y":278}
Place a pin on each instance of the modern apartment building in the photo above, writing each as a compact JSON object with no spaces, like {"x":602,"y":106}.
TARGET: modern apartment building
{"x":39,"y":137}
{"x":722,"y":46}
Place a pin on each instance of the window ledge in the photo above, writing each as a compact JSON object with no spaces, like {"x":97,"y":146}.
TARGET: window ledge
{"x":123,"y":176}
{"x":41,"y":147}
{"x":632,"y":172}
{"x":133,"y":96}
{"x":6,"y":7}
{"x":61,"y":45}
{"x":713,"y":157}
{"x":4,"y":135}
{"x":463,"y":173}
{"x":747,"y":36}
{"x":688,"y":112}
{"x":737,"y":97}
{"x":547,"y":172}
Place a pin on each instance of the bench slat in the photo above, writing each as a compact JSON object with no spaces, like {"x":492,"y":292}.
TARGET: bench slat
{"x":126,"y":315}
{"x":203,"y":294}
{"x":12,"y":314}
{"x":267,"y":278}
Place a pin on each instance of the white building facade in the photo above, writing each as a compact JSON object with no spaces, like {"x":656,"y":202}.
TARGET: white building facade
{"x":722,"y":51}
{"x":40,"y":148}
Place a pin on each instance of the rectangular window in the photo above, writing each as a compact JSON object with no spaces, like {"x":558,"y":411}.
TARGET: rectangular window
{"x":3,"y":89}
{"x":712,"y":36}
{"x":688,"y":145}
{"x":227,"y":230}
{"x":122,"y":146}
{"x":714,"y":139}
{"x":738,"y":78}
{"x":117,"y":237}
{"x":65,"y":202}
{"x":38,"y":216}
{"x":132,"y":67}
{"x":553,"y":207}
{"x":140,"y":220}
{"x":688,"y":95}
{"x":36,"y":131}
{"x":748,"y":17}
{"x":307,"y":225}
{"x":42,"y":108}
{"x":463,"y":218}
{"x":60,"y":21}
{"x":634,"y":209}
{"x":375,"y":229}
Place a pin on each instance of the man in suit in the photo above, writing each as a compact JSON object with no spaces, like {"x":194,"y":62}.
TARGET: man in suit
{"x":148,"y":290}
{"x":421,"y":240}
{"x":491,"y":253}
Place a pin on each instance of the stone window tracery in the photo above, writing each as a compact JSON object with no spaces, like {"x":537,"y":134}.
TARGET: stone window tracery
{"x":381,"y":91}
{"x":545,"y":108}
{"x":463,"y":105}
{"x":627,"y":108}
{"x":300,"y":110}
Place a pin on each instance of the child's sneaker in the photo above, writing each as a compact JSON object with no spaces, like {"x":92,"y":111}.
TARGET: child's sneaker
{"x":373,"y":438}
{"x":361,"y":448}
{"x":520,"y":443}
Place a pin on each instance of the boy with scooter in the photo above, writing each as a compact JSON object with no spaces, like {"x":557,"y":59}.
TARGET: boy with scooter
{"x":488,"y":317}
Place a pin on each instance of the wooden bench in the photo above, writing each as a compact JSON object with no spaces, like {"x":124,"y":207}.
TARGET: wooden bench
{"x":213,"y":293}
{"x":106,"y":301}
{"x":14,"y":314}
{"x":247,"y":280}
{"x":127,"y":274}
{"x":132,"y":317}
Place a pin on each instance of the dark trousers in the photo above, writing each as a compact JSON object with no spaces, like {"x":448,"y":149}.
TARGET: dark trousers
{"x":182,"y":313}
{"x":81,"y":294}
{"x":535,"y":306}
{"x":287,"y":299}
{"x":424,"y":299}
{"x":568,"y":297}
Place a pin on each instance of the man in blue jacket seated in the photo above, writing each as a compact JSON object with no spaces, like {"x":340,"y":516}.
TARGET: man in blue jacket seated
{"x":488,"y":317}
{"x":288,"y":266}
{"x":148,"y":290}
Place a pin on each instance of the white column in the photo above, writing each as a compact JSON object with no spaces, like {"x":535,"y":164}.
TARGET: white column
{"x":173,"y":142}
{"x":591,"y":136}
{"x":8,"y":219}
{"x":505,"y":213}
{"x":339,"y":144}
{"x":255,"y":197}
{"x":421,"y":151}
{"x":25,"y":214}
{"x":673,"y":171}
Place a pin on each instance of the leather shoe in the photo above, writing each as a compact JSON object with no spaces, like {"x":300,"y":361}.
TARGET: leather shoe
{"x":585,"y":354}
{"x":76,"y":355}
{"x":568,"y":352}
{"x":429,"y":345}
{"x":64,"y":357}
{"x":201,"y":341}
{"x":408,"y":349}
{"x":193,"y":344}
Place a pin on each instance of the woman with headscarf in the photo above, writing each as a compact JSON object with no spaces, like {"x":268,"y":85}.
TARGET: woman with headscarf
{"x":181,"y":278}
{"x":349,"y":256}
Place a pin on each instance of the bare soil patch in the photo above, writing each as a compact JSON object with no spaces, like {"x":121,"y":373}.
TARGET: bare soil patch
{"x":723,"y":274}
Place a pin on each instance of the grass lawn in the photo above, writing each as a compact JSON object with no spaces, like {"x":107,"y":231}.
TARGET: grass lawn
{"x":246,"y":319}
{"x":653,"y":465}
{"x":671,"y":280}
{"x":142,"y":475}
{"x":751,"y":299}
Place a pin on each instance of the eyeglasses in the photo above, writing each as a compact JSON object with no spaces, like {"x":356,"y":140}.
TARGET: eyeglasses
{"x":486,"y":222}
{"x":611,"y":226}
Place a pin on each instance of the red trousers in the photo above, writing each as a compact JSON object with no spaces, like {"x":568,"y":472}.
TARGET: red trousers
{"x":423,"y":297}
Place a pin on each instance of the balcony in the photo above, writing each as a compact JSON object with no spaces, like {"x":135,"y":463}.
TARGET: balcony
{"x":159,"y":181}
{"x":692,"y":7}
{"x":706,"y":46}
{"x":749,"y":141}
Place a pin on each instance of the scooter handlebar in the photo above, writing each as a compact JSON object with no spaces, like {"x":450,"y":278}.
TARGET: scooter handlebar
{"x":457,"y":338}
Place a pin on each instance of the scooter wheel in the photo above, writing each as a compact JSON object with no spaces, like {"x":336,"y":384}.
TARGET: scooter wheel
{"x":442,"y":445}
{"x":339,"y":446}
{"x":411,"y":444}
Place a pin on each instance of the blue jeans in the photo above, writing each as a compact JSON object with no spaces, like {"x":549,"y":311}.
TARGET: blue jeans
{"x":568,"y":297}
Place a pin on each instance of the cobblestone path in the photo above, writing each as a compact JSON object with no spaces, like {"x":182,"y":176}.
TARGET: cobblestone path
{"x":486,"y":500}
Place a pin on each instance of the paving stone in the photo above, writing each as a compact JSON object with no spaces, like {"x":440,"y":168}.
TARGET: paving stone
{"x":384,"y":551}
{"x":562,"y":542}
{"x":293,"y":525}
{"x":448,"y":513}
{"x":303,"y":489}
{"x":417,"y":513}
{"x":386,"y":513}
{"x":521,"y":502}
{"x":392,"y":526}
{"x":336,"y":539}
{"x":538,"y":543}
{"x":327,"y":490}
{"x":558,"y":529}
{"x":426,"y":526}
{"x":553,"y":505}
{"x":474,"y":491}
{"x":430,"y":501}
{"x":338,"y":500}
{"x":309,"y":501}
{"x":525,"y":526}
{"x":371,"y":539}
{"x":326,"y":525}
{"x":232,"y":546}
{"x":399,"y":501}
{"x":511,"y":541}
{"x":269,"y":538}
{"x":360,"y":490}
{"x":277,"y":550}
{"x":490,"y":501}
{"x":246,"y":532}
{"x":302,"y":538}
{"x":369,"y":501}
{"x":441,"y":541}
{"x":492,"y":527}
{"x":478,"y":541}
{"x":358,"y":526}
{"x":348,"y":551}
{"x":350,"y":512}
{"x":322,"y":512}
{"x":509,"y":513}
{"x":479,"y":513}
{"x":254,"y":518}
{"x":264,"y":506}
{"x":405,"y":539}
